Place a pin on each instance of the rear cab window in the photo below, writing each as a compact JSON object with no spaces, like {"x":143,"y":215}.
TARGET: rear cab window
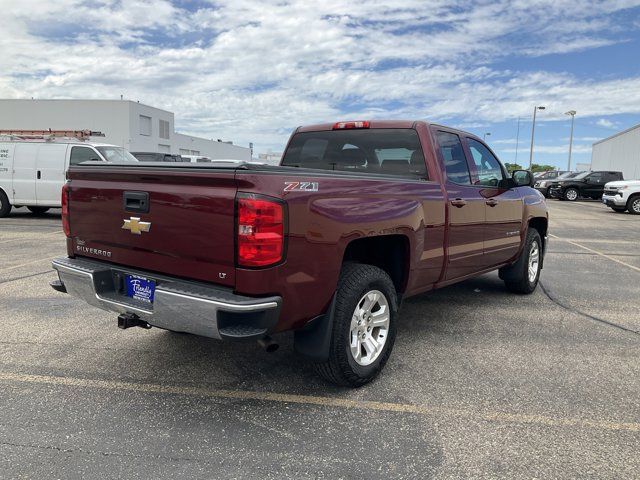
{"x":388,"y":151}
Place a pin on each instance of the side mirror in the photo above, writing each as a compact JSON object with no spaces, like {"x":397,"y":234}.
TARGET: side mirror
{"x":522,"y":178}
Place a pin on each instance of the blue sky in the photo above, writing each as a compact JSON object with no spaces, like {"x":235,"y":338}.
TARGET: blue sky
{"x":252,"y":70}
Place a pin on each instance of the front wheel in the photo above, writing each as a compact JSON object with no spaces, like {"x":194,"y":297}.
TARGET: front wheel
{"x":364,"y":326}
{"x":633,"y":205}
{"x":523,"y":276}
{"x":571,"y":194}
{"x":38,"y":210}
{"x":5,"y":206}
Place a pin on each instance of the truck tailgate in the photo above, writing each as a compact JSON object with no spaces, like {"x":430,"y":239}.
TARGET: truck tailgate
{"x":190,"y":215}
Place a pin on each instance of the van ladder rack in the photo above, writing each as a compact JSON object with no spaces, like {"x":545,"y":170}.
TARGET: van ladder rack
{"x":50,"y":134}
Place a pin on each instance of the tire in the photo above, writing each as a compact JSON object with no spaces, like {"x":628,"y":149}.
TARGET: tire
{"x":619,"y":209}
{"x":358,"y":286}
{"x":38,"y":210}
{"x":518,"y":277}
{"x":633,"y":205}
{"x":5,"y":206}
{"x":571,"y":194}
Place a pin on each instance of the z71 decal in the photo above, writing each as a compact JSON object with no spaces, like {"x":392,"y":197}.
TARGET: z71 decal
{"x":303,"y":186}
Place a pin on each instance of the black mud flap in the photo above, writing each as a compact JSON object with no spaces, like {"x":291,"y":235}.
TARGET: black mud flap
{"x":314,"y":341}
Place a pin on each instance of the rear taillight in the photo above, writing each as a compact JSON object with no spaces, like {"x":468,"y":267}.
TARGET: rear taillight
{"x":65,"y":210}
{"x":260,"y":232}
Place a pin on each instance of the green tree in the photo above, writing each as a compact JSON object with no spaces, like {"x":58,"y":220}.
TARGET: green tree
{"x":513,"y":166}
{"x":541,"y":168}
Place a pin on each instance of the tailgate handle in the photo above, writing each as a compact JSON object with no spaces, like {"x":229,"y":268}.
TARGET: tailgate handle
{"x":137,"y":202}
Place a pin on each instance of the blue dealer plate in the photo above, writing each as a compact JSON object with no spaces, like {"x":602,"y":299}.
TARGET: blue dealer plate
{"x":140,"y":288}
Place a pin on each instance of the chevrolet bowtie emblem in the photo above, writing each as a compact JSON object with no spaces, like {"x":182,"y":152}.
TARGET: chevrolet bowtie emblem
{"x":135,"y":226}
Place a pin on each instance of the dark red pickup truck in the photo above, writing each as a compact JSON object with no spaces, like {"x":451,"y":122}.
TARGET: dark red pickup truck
{"x":358,"y":216}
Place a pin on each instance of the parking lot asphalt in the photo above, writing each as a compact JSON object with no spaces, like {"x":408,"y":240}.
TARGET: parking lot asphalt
{"x":481,"y":383}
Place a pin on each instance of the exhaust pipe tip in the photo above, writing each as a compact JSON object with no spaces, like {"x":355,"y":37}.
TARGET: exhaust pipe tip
{"x":268,"y":344}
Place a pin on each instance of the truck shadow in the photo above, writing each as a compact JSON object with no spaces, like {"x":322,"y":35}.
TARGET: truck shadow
{"x":467,"y":308}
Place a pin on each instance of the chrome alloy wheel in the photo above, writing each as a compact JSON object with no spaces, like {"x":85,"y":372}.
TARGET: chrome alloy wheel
{"x":534,"y":261}
{"x":369,"y":327}
{"x":571,"y":194}
{"x":635,"y":205}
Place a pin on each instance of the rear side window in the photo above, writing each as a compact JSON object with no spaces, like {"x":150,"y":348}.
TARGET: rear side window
{"x":82,"y":154}
{"x":487,"y":165}
{"x":389,"y":151}
{"x":455,"y":163}
{"x":596,"y":177}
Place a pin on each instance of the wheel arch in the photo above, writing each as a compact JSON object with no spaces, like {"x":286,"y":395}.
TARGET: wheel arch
{"x":540,"y":224}
{"x":391,"y":253}
{"x":631,"y":198}
{"x":7,"y":208}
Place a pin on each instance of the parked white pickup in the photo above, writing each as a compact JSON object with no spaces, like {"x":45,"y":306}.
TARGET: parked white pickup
{"x":623,"y":195}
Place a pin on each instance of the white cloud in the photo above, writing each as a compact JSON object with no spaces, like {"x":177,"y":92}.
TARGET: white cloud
{"x":251,"y":70}
{"x":603,"y":122}
{"x":552,"y":149}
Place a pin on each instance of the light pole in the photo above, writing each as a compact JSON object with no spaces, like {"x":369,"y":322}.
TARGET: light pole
{"x":517,"y":142}
{"x":484,"y":137}
{"x":573,"y":117}
{"x":533,"y":131}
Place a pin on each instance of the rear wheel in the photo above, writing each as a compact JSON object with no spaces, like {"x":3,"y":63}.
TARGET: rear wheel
{"x":633,"y":205}
{"x":523,"y":276}
{"x":364,"y":327}
{"x":571,"y":194}
{"x":5,"y":206}
{"x":38,"y":210}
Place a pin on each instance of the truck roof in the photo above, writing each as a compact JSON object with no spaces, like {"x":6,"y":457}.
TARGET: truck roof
{"x":381,"y":124}
{"x":372,"y":124}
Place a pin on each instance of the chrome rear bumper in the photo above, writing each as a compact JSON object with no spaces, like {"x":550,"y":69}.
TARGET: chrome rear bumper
{"x":178,"y":305}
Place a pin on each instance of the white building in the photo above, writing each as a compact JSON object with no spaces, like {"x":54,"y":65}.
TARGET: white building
{"x":270,"y":157}
{"x":132,"y":125}
{"x":620,"y":152}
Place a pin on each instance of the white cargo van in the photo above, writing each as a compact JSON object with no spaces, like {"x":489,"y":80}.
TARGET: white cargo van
{"x":32,"y":172}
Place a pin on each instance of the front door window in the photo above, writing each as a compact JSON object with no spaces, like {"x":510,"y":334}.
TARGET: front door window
{"x":489,"y":170}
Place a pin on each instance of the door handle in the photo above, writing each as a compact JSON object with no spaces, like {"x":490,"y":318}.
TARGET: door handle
{"x":39,"y":175}
{"x":458,"y":202}
{"x":135,"y":202}
{"x":492,"y":202}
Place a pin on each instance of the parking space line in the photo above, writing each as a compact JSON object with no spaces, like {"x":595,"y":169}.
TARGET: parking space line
{"x":596,"y":252}
{"x":28,"y":263}
{"x":117,"y":385}
{"x":43,"y":235}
